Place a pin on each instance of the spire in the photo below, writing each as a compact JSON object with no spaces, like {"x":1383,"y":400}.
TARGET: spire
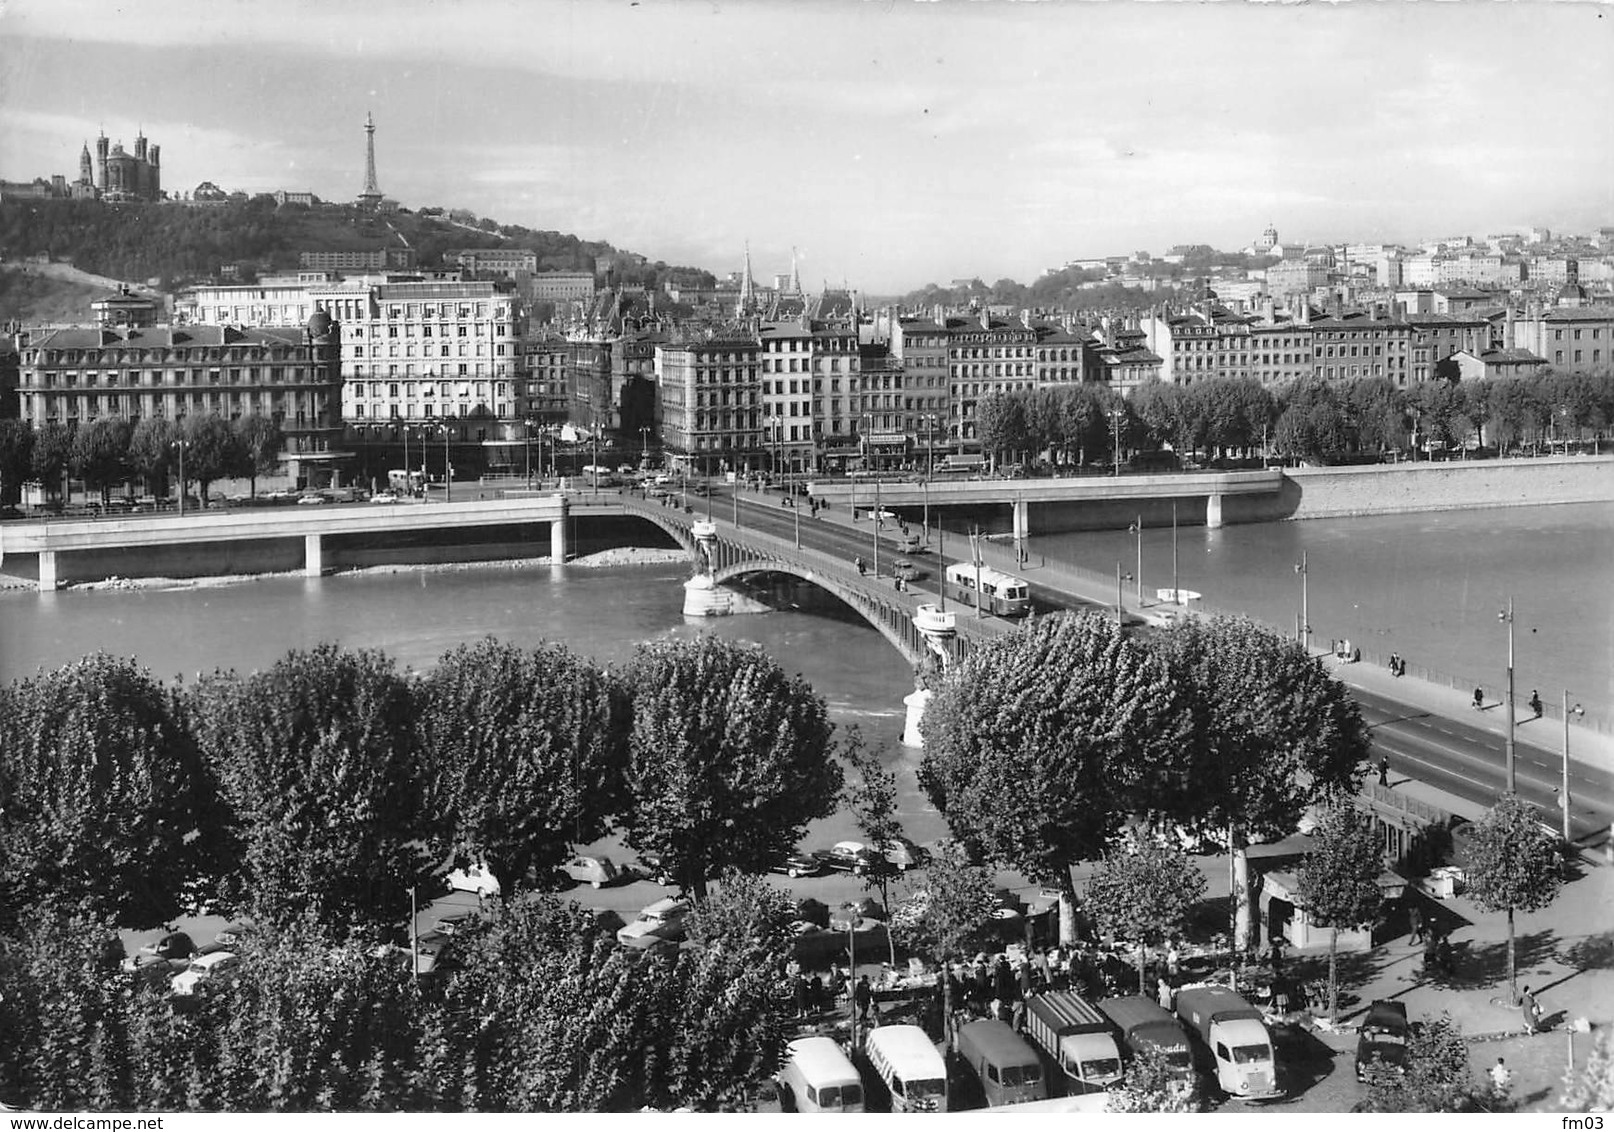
{"x":795,"y":275}
{"x":747,"y":290}
{"x":371,"y":196}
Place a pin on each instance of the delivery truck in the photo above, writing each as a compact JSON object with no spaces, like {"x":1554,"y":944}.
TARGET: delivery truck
{"x":1233,"y":1040}
{"x":1077,"y":1038}
{"x":1009,"y":1069}
{"x":1141,"y":1024}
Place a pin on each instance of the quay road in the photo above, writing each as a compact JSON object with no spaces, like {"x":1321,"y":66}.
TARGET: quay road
{"x":1427,"y":741}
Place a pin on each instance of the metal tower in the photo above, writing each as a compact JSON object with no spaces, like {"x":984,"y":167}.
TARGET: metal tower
{"x":371,"y":196}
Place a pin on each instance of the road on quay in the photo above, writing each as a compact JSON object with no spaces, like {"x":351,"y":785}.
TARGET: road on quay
{"x":1447,"y":754}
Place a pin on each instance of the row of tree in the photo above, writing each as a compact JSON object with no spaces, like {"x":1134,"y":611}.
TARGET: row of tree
{"x":331,"y":783}
{"x":110,"y":452}
{"x":1310,"y":419}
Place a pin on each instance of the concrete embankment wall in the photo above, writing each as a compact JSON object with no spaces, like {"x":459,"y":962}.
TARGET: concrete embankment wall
{"x":1388,"y":489}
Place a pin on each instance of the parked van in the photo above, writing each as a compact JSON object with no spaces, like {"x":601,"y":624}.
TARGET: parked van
{"x":819,"y":1077}
{"x":1009,"y":1069}
{"x":906,"y":1060}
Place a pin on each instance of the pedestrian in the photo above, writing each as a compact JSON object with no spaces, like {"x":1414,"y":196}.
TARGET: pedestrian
{"x":1163,"y":994}
{"x":1531,"y":1010}
{"x":1535,"y":702}
{"x":863,"y":997}
{"x":1384,"y":770}
{"x":1415,"y":922}
{"x":1479,"y":699}
{"x":798,"y":986}
{"x":1173,"y":960}
{"x":1501,"y":1079}
{"x":858,"y":562}
{"x":816,"y":995}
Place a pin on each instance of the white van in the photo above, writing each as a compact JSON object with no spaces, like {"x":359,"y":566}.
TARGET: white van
{"x":819,"y":1077}
{"x":907,"y":1061}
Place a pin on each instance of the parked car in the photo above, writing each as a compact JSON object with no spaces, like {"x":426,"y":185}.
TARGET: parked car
{"x":383,"y":497}
{"x":849,"y":857}
{"x":311,"y":500}
{"x":593,"y":871}
{"x":174,"y":945}
{"x":1009,"y":906}
{"x":473,"y":878}
{"x":658,"y":923}
{"x":903,"y":854}
{"x":653,"y":868}
{"x":203,"y":971}
{"x":1382,"y":1036}
{"x":798,"y":864}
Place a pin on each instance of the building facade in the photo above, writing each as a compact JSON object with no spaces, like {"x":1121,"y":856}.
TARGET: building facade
{"x":711,"y":403}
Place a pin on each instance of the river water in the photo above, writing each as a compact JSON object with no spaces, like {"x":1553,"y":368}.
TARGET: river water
{"x":1428,"y":586}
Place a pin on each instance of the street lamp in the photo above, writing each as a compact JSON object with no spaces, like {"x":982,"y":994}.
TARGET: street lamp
{"x":1563,"y":793}
{"x":1119,"y":578}
{"x":448,"y":472}
{"x":851,"y":966}
{"x":644,"y":444}
{"x":180,"y":446}
{"x":527,"y":436}
{"x":1137,"y":529}
{"x":1305,"y":612}
{"x":1506,"y":616}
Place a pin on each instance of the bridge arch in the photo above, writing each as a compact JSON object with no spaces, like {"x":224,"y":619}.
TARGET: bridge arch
{"x":738,"y":553}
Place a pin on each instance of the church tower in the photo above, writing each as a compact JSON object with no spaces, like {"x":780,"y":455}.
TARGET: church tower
{"x":795,"y":275}
{"x":371,"y":196}
{"x":748,"y":296}
{"x":86,"y":171}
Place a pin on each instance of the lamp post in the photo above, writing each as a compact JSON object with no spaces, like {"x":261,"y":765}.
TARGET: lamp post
{"x":930,"y":445}
{"x":1115,"y":423}
{"x":527,"y":436}
{"x":1119,"y":578}
{"x":1305,"y":611}
{"x":644,"y":444}
{"x":405,"y":431}
{"x":1137,"y":529}
{"x":1563,"y":793}
{"x":851,"y":967}
{"x":448,"y":472}
{"x":1506,"y":616}
{"x":180,"y":446}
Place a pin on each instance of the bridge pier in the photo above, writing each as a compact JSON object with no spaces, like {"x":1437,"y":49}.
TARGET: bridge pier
{"x":1022,"y":520}
{"x":557,"y":536}
{"x":313,"y":556}
{"x":916,"y":702}
{"x":47,"y":571}
{"x":1213,"y":512}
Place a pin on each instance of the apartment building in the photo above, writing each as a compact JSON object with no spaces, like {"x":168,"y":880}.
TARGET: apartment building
{"x":711,"y":402}
{"x":793,"y":397}
{"x":1353,"y":345}
{"x":1570,"y":339}
{"x":985,"y":355}
{"x":920,"y":344}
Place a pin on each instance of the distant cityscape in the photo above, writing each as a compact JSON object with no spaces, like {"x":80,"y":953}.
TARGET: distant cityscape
{"x":488,"y":350}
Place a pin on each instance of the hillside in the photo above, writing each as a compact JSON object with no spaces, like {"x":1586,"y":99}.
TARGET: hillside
{"x":31,"y":296}
{"x":180,"y":244}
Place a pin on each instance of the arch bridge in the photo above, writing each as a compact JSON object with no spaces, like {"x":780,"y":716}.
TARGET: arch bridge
{"x":736,"y":553}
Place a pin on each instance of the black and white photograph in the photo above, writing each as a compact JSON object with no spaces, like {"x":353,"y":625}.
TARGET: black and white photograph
{"x":754,"y":557}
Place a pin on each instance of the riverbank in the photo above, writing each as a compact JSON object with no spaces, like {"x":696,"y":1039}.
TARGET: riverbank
{"x":617,"y":556}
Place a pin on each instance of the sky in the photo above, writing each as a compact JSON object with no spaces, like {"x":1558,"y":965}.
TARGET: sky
{"x":892,"y":143}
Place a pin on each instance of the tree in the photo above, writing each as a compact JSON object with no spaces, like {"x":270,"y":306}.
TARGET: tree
{"x":257,"y":444}
{"x":1035,"y":743}
{"x":729,"y":758}
{"x":523,"y":753}
{"x":1339,"y":879}
{"x":944,"y":915}
{"x":1513,"y":866}
{"x":1152,"y":1084}
{"x":211,"y":451}
{"x":1000,"y":423}
{"x":871,"y":797}
{"x":316,"y":759}
{"x":1436,"y":1076}
{"x":1592,"y":1089}
{"x":745,"y":915}
{"x":16,"y":458}
{"x":101,"y":454}
{"x":151,"y":452}
{"x":1271,"y":733}
{"x":53,"y":451}
{"x":1144,"y":896}
{"x":105,"y":799}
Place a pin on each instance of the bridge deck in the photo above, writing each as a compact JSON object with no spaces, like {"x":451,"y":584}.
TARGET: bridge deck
{"x":1071,"y":489}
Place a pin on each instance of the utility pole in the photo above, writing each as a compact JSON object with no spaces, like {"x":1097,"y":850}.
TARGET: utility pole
{"x":1305,"y":611}
{"x":1507,"y":616}
{"x":1563,"y":794}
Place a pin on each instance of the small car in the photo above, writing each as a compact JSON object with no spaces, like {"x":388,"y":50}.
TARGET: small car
{"x":1382,"y":1036}
{"x":903,"y":854}
{"x":311,"y":500}
{"x":907,"y":570}
{"x":473,"y":878}
{"x":174,"y":945}
{"x":1009,"y":906}
{"x":658,"y":923}
{"x":652,"y":867}
{"x":849,"y":857}
{"x":798,"y":864}
{"x":593,"y":871}
{"x":204,"y":970}
{"x":383,"y":497}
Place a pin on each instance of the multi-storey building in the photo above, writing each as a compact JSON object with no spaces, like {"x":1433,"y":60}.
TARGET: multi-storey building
{"x":711,"y":402}
{"x":1280,"y":347}
{"x":388,"y":258}
{"x":1061,"y":349}
{"x":792,"y":396}
{"x":1432,"y":339}
{"x":920,"y":344}
{"x":1207,"y":342}
{"x":885,"y":425}
{"x":1571,"y":339}
{"x":985,"y":355}
{"x":441,"y":358}
{"x":541,"y":381}
{"x":559,"y":287}
{"x":1122,"y":356}
{"x":502,"y":262}
{"x":1352,"y":345}
{"x":75,"y":375}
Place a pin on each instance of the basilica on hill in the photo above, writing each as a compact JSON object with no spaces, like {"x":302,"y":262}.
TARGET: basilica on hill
{"x":115,"y":176}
